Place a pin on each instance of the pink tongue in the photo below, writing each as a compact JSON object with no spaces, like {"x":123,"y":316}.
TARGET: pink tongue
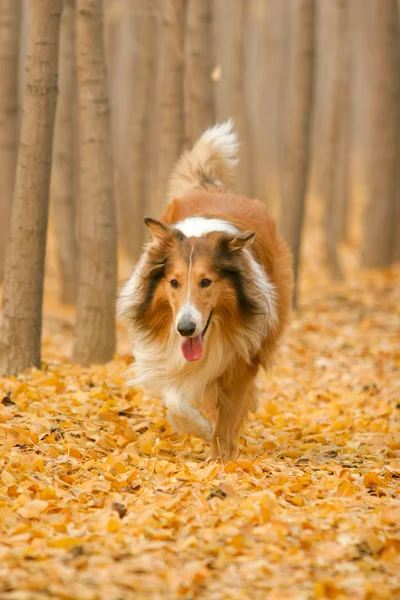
{"x":192,"y":348}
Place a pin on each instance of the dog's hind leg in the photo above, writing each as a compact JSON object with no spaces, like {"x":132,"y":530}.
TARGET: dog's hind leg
{"x":186,"y":418}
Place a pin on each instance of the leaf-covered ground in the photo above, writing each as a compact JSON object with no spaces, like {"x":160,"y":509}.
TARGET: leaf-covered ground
{"x":99,"y":500}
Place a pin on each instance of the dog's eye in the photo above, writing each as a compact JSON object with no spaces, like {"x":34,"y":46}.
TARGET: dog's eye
{"x":174,"y":283}
{"x":205,"y":283}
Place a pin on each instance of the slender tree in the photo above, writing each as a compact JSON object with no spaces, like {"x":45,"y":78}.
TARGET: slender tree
{"x":377,"y":244}
{"x":167,"y":139}
{"x":342,"y":187}
{"x":296,"y":116}
{"x":229,"y":55}
{"x":131,"y":103}
{"x":199,"y":110}
{"x":359,"y":107}
{"x":9,"y":51}
{"x":152,"y":202}
{"x":323,"y":78}
{"x":265,"y":63}
{"x":396,"y":201}
{"x":26,"y":6}
{"x":24,"y":271}
{"x":396,"y":212}
{"x":112,"y":10}
{"x":63,"y":188}
{"x":336,"y":168}
{"x":95,"y":325}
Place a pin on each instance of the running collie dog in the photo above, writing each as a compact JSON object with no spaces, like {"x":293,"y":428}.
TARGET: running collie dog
{"x":209,"y":296}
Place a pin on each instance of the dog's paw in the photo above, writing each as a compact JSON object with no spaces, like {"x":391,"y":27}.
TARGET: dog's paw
{"x":206,"y":430}
{"x":192,"y":422}
{"x":222,"y":450}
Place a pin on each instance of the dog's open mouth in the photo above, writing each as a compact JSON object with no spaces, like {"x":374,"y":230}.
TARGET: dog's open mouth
{"x":192,"y":347}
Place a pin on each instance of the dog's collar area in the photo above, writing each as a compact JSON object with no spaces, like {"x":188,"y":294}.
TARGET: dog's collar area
{"x":207,"y":324}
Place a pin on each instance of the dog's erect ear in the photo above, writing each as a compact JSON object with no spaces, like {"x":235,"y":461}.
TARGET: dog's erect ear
{"x":241,"y":241}
{"x":160,"y":231}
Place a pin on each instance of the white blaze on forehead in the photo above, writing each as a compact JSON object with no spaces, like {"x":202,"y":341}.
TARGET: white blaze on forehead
{"x":189,"y":311}
{"x":189,"y":274}
{"x":198,"y":226}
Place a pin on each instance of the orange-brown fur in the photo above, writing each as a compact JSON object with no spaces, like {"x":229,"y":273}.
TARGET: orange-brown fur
{"x":235,"y":390}
{"x":151,"y":303}
{"x":247,"y":215}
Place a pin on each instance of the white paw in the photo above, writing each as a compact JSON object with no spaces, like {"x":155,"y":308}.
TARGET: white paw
{"x":206,"y":430}
{"x":186,"y":418}
{"x":191,"y":421}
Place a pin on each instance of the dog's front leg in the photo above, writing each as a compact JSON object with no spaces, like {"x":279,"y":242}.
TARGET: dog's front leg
{"x":224,"y":445}
{"x":234,"y":401}
{"x":186,"y":418}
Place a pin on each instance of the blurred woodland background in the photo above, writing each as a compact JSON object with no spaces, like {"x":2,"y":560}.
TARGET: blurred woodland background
{"x":313,"y":87}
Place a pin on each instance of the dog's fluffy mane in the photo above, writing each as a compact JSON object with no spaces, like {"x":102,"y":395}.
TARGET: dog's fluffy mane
{"x":237,"y":329}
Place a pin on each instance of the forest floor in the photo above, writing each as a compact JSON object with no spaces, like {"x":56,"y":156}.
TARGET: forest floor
{"x":99,"y":500}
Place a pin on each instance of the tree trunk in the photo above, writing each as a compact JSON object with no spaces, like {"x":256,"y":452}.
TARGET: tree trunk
{"x":26,"y":9}
{"x":230,"y":102}
{"x":377,"y":245}
{"x":342,"y":187}
{"x":9,"y":50}
{"x":130,"y":120}
{"x":152,"y":204}
{"x":265,"y":37}
{"x":359,"y":117}
{"x":199,"y":112}
{"x":95,"y":325}
{"x":112,"y":13}
{"x":396,"y":208}
{"x":23,"y":281}
{"x":324,"y":67}
{"x":342,"y":193}
{"x":168,"y":115}
{"x":64,"y":173}
{"x":335,"y":191}
{"x":297,"y":118}
{"x":139,"y":149}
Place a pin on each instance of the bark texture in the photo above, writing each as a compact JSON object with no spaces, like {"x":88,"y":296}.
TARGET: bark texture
{"x":168,"y":114}
{"x":9,"y":51}
{"x":297,"y":105}
{"x":396,"y":210}
{"x":324,"y":68}
{"x":133,"y":55}
{"x":26,"y":10}
{"x":95,"y":325}
{"x":377,"y":245}
{"x":152,"y":205}
{"x":64,"y":173}
{"x":199,"y":110}
{"x":229,"y":59}
{"x":24,"y":271}
{"x":336,"y":168}
{"x":265,"y":67}
{"x":342,"y":186}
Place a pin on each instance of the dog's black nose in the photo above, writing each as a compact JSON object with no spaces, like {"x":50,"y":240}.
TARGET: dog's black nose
{"x":186,"y":327}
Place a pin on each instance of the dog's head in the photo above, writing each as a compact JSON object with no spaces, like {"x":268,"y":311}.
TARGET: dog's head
{"x":188,"y":284}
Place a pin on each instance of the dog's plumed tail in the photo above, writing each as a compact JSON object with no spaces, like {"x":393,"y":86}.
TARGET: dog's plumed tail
{"x":211,"y":161}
